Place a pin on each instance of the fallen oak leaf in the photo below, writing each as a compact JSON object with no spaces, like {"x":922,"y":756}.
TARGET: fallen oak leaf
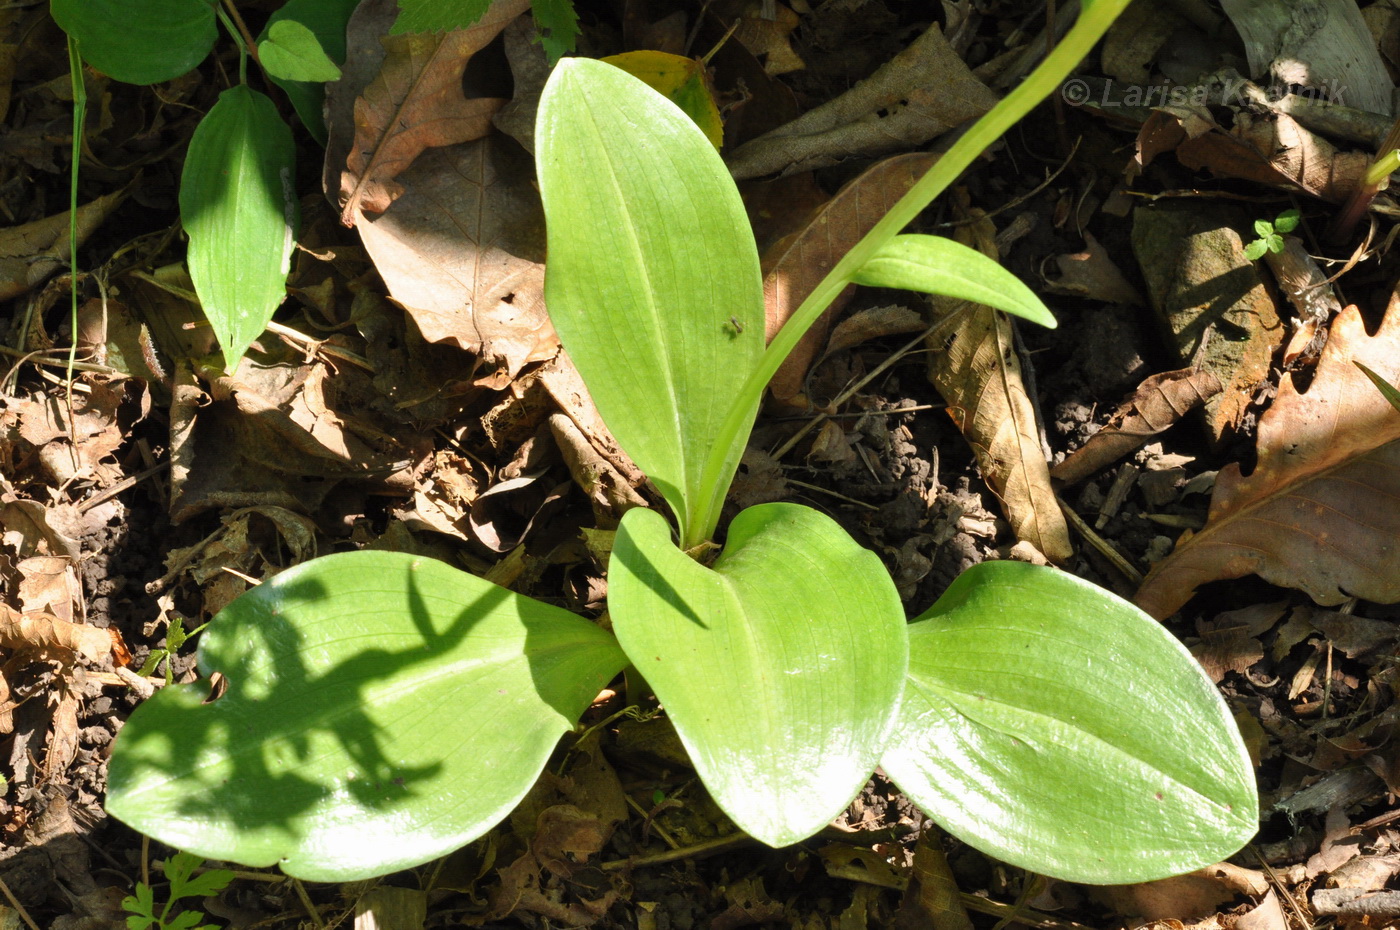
{"x":416,"y":102}
{"x":1318,"y":512}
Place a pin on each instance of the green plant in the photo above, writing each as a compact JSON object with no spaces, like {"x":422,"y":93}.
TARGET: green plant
{"x":179,"y":870}
{"x":175,"y":638}
{"x":237,"y":199}
{"x":1271,"y":235}
{"x":1037,"y":716}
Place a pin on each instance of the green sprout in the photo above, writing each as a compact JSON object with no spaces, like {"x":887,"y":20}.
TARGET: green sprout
{"x":179,"y":869}
{"x":1271,"y":235}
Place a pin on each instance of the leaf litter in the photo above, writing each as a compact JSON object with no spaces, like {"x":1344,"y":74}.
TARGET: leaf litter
{"x":384,"y":415}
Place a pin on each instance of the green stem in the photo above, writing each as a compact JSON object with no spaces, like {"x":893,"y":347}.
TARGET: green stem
{"x":76,"y":77}
{"x":1094,"y":20}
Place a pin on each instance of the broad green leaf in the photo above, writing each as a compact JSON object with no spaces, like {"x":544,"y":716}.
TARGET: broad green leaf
{"x":240,"y":211}
{"x":292,"y":52}
{"x":139,"y":41}
{"x":327,"y":20}
{"x":781,"y":665}
{"x":936,"y":265}
{"x":1287,"y":221}
{"x":437,"y":15}
{"x":382,"y":710}
{"x":1058,"y":728}
{"x":1255,"y":250}
{"x":653,"y":281}
{"x":557,"y":24}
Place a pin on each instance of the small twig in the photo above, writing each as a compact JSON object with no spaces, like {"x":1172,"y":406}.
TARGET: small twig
{"x":875,"y":372}
{"x":306,"y":903}
{"x":698,"y":851}
{"x":243,"y":30}
{"x":126,"y":483}
{"x":829,"y":492}
{"x":1098,"y":542}
{"x":19,"y":908}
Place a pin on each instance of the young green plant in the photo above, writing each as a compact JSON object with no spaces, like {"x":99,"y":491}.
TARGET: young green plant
{"x":384,"y":709}
{"x":179,"y":871}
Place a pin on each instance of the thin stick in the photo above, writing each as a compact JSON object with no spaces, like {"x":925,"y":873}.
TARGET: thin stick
{"x":1098,"y":542}
{"x":19,"y":908}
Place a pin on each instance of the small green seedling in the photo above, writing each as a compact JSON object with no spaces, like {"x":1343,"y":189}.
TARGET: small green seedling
{"x":175,"y":639}
{"x":179,"y":870}
{"x":1271,"y":235}
{"x":384,"y":709}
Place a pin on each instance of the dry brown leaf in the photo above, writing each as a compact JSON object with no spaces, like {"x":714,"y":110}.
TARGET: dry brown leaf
{"x":416,"y":102}
{"x":1269,"y":148}
{"x":922,"y":92}
{"x":42,"y":630}
{"x":461,"y":251}
{"x":978,"y":373}
{"x":1158,"y":403}
{"x":1319,"y":512}
{"x":32,"y":252}
{"x":798,"y":262}
{"x":1093,"y":274}
{"x":765,"y":29}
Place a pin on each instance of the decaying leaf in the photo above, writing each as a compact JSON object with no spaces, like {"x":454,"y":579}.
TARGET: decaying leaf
{"x":1317,"y":512}
{"x":32,"y":252}
{"x":1093,"y":274}
{"x":977,"y":371}
{"x":798,"y":262}
{"x":1270,"y":148}
{"x":415,"y":103}
{"x":461,"y":251}
{"x":1159,"y":402}
{"x":40,"y":630}
{"x":923,"y":91}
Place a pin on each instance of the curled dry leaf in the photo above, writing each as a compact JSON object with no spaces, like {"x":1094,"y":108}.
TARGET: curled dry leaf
{"x":1318,"y":513}
{"x":414,"y":103}
{"x":922,"y":92}
{"x":798,"y":262}
{"x":32,"y":252}
{"x":1159,"y":402}
{"x":978,"y":373}
{"x":41,"y":630}
{"x":1270,"y":148}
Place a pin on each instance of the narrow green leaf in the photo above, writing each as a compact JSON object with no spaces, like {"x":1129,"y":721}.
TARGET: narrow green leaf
{"x":327,"y":20}
{"x":437,"y":15}
{"x":292,"y":52}
{"x":653,"y":281}
{"x":558,"y":26}
{"x":1387,"y":390}
{"x":382,"y":710}
{"x":936,"y":265}
{"x":1058,"y":728}
{"x":240,"y":211}
{"x":781,"y":666}
{"x":139,"y":41}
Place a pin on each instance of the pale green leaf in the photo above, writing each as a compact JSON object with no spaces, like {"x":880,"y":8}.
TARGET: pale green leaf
{"x":437,"y":15}
{"x":240,"y":211}
{"x":781,"y":665}
{"x":292,"y":52}
{"x":1287,"y":221}
{"x":327,"y":20}
{"x":139,"y":41}
{"x":1058,"y":728}
{"x":382,"y":710}
{"x":653,"y":280}
{"x":935,"y":265}
{"x":1255,"y":250}
{"x":1388,"y":390}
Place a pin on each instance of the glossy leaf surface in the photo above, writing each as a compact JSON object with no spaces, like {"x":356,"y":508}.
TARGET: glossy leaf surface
{"x":382,"y":710}
{"x":1058,"y":728}
{"x":936,"y":265}
{"x":781,"y":665}
{"x":139,"y":41}
{"x":652,"y":281}
{"x":239,"y":208}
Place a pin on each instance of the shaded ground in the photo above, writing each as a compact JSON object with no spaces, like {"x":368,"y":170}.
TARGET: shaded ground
{"x":171,"y":488}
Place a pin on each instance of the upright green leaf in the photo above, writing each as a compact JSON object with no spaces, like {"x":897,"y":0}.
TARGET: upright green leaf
{"x":239,"y":208}
{"x":557,"y":24}
{"x":781,"y":666}
{"x":382,"y":710}
{"x":936,"y":265}
{"x":653,"y":280}
{"x":292,"y":52}
{"x":139,"y":41}
{"x":327,"y":20}
{"x":1059,"y":728}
